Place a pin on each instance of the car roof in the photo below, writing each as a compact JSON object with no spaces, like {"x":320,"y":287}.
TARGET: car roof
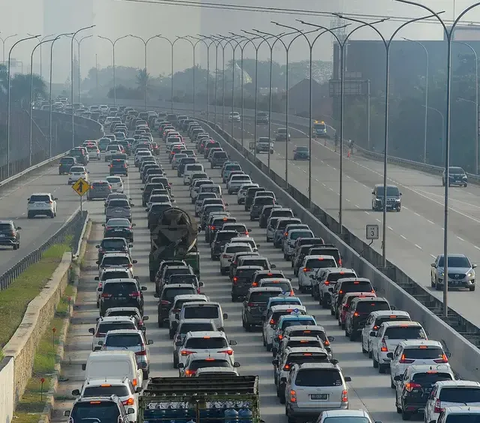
{"x":319,"y":257}
{"x":189,"y":296}
{"x":120,"y":280}
{"x":420,"y":342}
{"x":207,"y":334}
{"x":345,"y":413}
{"x":286,"y":339}
{"x":264,"y":289}
{"x":116,"y":255}
{"x":124,"y":332}
{"x":296,"y":350}
{"x":249,"y":267}
{"x":381,"y":313}
{"x":107,"y":319}
{"x":203,"y":356}
{"x":123,"y":309}
{"x":404,"y":323}
{"x":282,"y":307}
{"x":296,"y":316}
{"x":202,"y":303}
{"x":110,"y":381}
{"x":459,"y":383}
{"x":454,"y":255}
{"x":325,"y":365}
{"x":178,"y":285}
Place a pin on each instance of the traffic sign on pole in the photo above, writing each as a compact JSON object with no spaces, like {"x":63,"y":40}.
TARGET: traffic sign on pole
{"x":81,"y":187}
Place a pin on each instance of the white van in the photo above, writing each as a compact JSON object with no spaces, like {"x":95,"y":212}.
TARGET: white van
{"x":115,"y":365}
{"x":203,"y":310}
{"x":216,"y":189}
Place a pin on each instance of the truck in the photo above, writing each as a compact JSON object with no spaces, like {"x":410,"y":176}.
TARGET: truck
{"x":320,"y":129}
{"x":174,"y":237}
{"x":222,"y":399}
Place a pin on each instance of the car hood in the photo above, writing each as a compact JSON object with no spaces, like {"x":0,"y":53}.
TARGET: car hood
{"x":455,"y":269}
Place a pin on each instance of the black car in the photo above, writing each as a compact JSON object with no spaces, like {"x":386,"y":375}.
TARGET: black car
{"x":118,"y":167}
{"x":113,"y":245}
{"x":166,"y":297}
{"x":251,"y":195}
{"x":255,"y":304}
{"x":79,"y":155}
{"x":218,"y":159}
{"x":65,"y":164}
{"x":119,"y":228}
{"x":147,"y":191}
{"x":9,"y":234}
{"x":456,"y":176}
{"x":242,"y":281}
{"x":183,"y":162}
{"x":154,"y":213}
{"x":219,"y":241}
{"x":121,"y":293}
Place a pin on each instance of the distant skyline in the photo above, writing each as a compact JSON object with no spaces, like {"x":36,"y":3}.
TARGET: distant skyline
{"x":115,"y":18}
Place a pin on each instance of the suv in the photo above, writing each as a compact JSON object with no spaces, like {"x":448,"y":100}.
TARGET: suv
{"x":322,"y":384}
{"x":167,"y":297}
{"x":394,"y":198}
{"x":325,"y":281}
{"x":255,"y":304}
{"x":42,"y":204}
{"x":121,"y":293}
{"x":110,"y":408}
{"x":99,"y":189}
{"x":344,"y":286}
{"x":118,"y":167}
{"x":241,"y":282}
{"x":65,"y":164}
{"x":358,"y":312}
{"x":218,"y":159}
{"x":262,"y":117}
{"x":221,"y":238}
{"x":456,"y":176}
{"x":264,"y":145}
{"x":9,"y":234}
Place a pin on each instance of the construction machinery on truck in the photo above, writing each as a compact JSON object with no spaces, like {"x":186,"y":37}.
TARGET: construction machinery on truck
{"x":174,"y":237}
{"x":222,"y":399}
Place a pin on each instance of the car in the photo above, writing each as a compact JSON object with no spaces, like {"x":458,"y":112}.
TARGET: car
{"x":116,"y":183}
{"x":290,"y":237}
{"x":258,"y":203}
{"x":9,"y":234}
{"x":205,"y":342}
{"x":110,"y":408}
{"x":112,"y":149}
{"x":310,"y":265}
{"x":282,"y":135}
{"x":111,"y":273}
{"x":219,"y":241}
{"x":171,"y":270}
{"x":325,"y":281}
{"x":215,"y":372}
{"x":118,"y":208}
{"x":196,"y":361}
{"x":119,"y":227}
{"x":178,"y":302}
{"x":373,"y":323}
{"x":389,"y":335}
{"x":106,"y":324}
{"x":155,"y":211}
{"x":278,"y":215}
{"x":415,"y":352}
{"x":234,"y":117}
{"x":461,"y":272}
{"x":236,"y":181}
{"x":130,"y":340}
{"x":121,"y":293}
{"x":358,"y":312}
{"x":347,"y":302}
{"x":306,"y":330}
{"x":204,"y":310}
{"x":99,"y":189}
{"x":394,"y":198}
{"x":218,"y":158}
{"x":352,"y":416}
{"x":93,"y":151}
{"x":285,"y":321}
{"x":272,"y":317}
{"x":80,"y":155}
{"x":118,"y":167}
{"x":323,"y":383}
{"x":242,"y":192}
{"x":42,"y":204}
{"x":301,"y":153}
{"x":456,"y":176}
{"x":264,"y":145}
{"x":121,"y":388}
{"x":65,"y":164}
{"x":167,"y":297}
{"x":344,"y":286}
{"x":451,"y":393}
{"x":111,"y":245}
{"x":262,"y":118}
{"x":129,"y":312}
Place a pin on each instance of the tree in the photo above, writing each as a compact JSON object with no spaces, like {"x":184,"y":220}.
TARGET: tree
{"x":142,"y":80}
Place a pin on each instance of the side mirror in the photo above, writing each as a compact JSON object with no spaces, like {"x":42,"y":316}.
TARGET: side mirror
{"x":348,"y":379}
{"x":373,"y":333}
{"x":177,"y":316}
{"x":390,"y":355}
{"x":134,"y":261}
{"x":155,"y":295}
{"x":474,"y":266}
{"x":225,"y":316}
{"x":132,"y":205}
{"x":433,"y":265}
{"x":130,"y":245}
{"x":55,"y":199}
{"x":99,"y":289}
{"x":19,"y":228}
{"x":134,"y":224}
{"x":331,"y":338}
{"x":91,"y":330}
{"x":397,"y":378}
{"x":273,"y":266}
{"x":66,"y":413}
{"x":393,"y":308}
{"x":84,"y":367}
{"x":236,"y":364}
{"x":97,"y":262}
{"x":275,"y":362}
{"x":149,"y":342}
{"x":201,"y":284}
{"x":181,"y":365}
{"x":233,"y":343}
{"x":144,"y":288}
{"x":76,"y":392}
{"x":373,"y":192}
{"x":96,"y":246}
{"x":96,"y":278}
{"x":334,"y":361}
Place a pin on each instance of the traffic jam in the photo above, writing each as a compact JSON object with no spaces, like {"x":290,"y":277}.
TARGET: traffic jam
{"x":308,"y":378}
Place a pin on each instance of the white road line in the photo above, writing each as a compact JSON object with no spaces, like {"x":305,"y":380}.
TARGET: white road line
{"x":357,"y":206}
{"x":416,"y":214}
{"x":418,"y":246}
{"x":478,"y":248}
{"x":403,"y":236}
{"x":461,"y":239}
{"x":431,"y":255}
{"x":389,"y":227}
{"x":366,"y":212}
{"x":347,"y":200}
{"x":429,"y":221}
{"x":378,"y":220}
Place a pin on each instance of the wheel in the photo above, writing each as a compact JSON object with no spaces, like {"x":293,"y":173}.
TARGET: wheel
{"x":175,"y":362}
{"x":52,"y":215}
{"x":17,"y":246}
{"x":145,"y":374}
{"x":465,"y":185}
{"x":392,"y":385}
{"x":375,"y":363}
{"x":324,"y":302}
{"x":160,"y":323}
{"x":399,"y":410}
{"x":405,"y":415}
{"x":471,"y":288}
{"x":269,"y":347}
{"x":353,"y":337}
{"x":382,"y":368}
{"x":364,"y":351}
{"x":171,"y":333}
{"x":438,"y":287}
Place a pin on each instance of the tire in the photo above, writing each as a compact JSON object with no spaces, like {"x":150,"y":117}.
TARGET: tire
{"x":16,"y":246}
{"x":375,"y":363}
{"x":471,"y":288}
{"x":392,"y":385}
{"x":405,"y":415}
{"x":160,"y":323}
{"x":52,"y":215}
{"x":269,"y":347}
{"x":171,"y":333}
{"x":152,"y":276}
{"x":324,"y":302}
{"x":381,"y":368}
{"x":364,"y":351}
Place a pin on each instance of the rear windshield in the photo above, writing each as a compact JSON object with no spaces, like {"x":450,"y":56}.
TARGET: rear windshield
{"x":285,"y":286}
{"x":367,"y":307}
{"x":320,"y":264}
{"x":106,"y":391}
{"x":262,"y":297}
{"x":460,"y":394}
{"x":85,"y":411}
{"x":128,"y":313}
{"x":195,"y":167}
{"x":357,"y":286}
{"x":285,"y":302}
{"x":124,"y":340}
{"x":245,"y":273}
{"x":238,"y":248}
{"x":312,"y":332}
{"x":220,"y":155}
{"x":170,"y":293}
{"x":206,"y":343}
{"x":114,"y":179}
{"x":277,"y":314}
{"x":264,"y":200}
{"x":115,"y":261}
{"x":179,"y":303}
{"x":201,"y":312}
{"x":319,"y":377}
{"x":6,"y":227}
{"x":281,"y":213}
{"x":39,"y":198}
{"x":183,"y":278}
{"x":225,"y":236}
{"x":429,"y":353}
{"x":120,"y":288}
{"x":334,"y":277}
{"x":108,"y":243}
{"x":197,"y":364}
{"x":100,"y":184}
{"x":304,"y":344}
{"x":325,"y":252}
{"x":213,"y":209}
{"x":119,"y":203}
{"x":117,"y":274}
{"x":431,"y":378}
{"x":307,"y":358}
{"x":67,"y":160}
{"x":255,"y":262}
{"x":407,"y":332}
{"x":103,"y":328}
{"x":195,"y":327}
{"x":380,"y":320}
{"x":303,"y":322}
{"x":301,"y":234}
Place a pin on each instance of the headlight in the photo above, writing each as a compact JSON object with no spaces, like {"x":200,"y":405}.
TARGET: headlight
{"x":442,"y":274}
{"x":471,"y":274}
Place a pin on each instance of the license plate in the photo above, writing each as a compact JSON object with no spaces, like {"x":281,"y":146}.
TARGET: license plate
{"x":319,"y":397}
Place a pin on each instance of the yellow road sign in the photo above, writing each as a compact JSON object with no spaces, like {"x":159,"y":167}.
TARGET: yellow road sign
{"x":81,"y":187}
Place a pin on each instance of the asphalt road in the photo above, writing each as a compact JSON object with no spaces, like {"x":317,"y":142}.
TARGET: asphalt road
{"x":34,"y":232}
{"x":368,"y":389}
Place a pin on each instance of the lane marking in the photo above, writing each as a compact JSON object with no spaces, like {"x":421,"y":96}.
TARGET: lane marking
{"x":366,"y":212}
{"x":357,"y":206}
{"x":429,"y":221}
{"x":418,"y":246}
{"x":431,"y":255}
{"x":389,"y":227}
{"x":403,"y":236}
{"x":461,"y":239}
{"x":347,"y":200}
{"x":378,"y":220}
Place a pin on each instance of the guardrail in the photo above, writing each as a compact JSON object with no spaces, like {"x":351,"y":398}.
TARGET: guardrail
{"x":74,"y":226}
{"x":459,"y":336}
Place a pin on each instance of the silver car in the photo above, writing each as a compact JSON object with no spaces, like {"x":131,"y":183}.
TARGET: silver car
{"x":461,"y":273}
{"x":118,"y":208}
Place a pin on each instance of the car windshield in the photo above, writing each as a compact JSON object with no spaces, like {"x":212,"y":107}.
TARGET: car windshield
{"x":261,"y":201}
{"x":201,"y":312}
{"x":285,"y":286}
{"x":256,"y":262}
{"x":462,"y":395}
{"x":211,"y":362}
{"x":405,"y":332}
{"x":114,"y":179}
{"x":455,"y":262}
{"x":303,"y":322}
{"x":115,"y":274}
{"x":120,"y":288}
{"x":194,"y":168}
{"x":111,"y":244}
{"x":306,"y":358}
{"x":67,"y":160}
{"x":160,"y":208}
{"x":115,"y":261}
{"x":127,"y":313}
{"x":119,"y":203}
{"x":456,"y":171}
{"x":319,"y":377}
{"x":301,"y":234}
{"x":123,"y":340}
{"x":106,"y":390}
{"x":391,"y":191}
{"x":245,"y":273}
{"x":320,"y":264}
{"x":100,"y":185}
{"x":95,"y":411}
{"x":119,"y":223}
{"x":183,"y":278}
{"x":302,"y":148}
{"x":103,"y":328}
{"x":170,"y":294}
{"x":196,"y":327}
{"x":206,"y":343}
{"x":38,"y":198}
{"x":214,"y":208}
{"x":6,"y":227}
{"x":357,"y":286}
{"x":159,"y":198}
{"x":225,"y":236}
{"x":366,"y":307}
{"x":431,"y":377}
{"x":430,"y":353}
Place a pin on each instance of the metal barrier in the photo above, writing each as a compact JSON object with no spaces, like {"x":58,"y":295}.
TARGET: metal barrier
{"x":74,"y":226}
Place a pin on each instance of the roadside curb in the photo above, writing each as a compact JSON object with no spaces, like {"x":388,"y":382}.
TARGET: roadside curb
{"x":73,"y":280}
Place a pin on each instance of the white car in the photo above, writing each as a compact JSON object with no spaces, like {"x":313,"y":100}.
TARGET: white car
{"x":415,"y":352}
{"x":242,"y":192}
{"x":93,"y":152}
{"x":236,"y":181}
{"x":269,"y":325}
{"x":112,"y":149}
{"x":110,"y":260}
{"x":234,"y":117}
{"x":77,"y":172}
{"x":309,"y":267}
{"x":178,"y":303}
{"x":189,"y":170}
{"x":245,"y":240}
{"x":200,"y":198}
{"x":388,"y":337}
{"x":122,"y":388}
{"x":228,"y":251}
{"x":42,"y":204}
{"x":291,"y":238}
{"x":116,"y":183}
{"x":349,"y":416}
{"x":106,"y":324}
{"x":373,"y":323}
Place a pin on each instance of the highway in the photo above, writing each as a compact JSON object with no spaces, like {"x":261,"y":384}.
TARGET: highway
{"x":415,"y":235}
{"x":34,"y":232}
{"x":368,"y":388}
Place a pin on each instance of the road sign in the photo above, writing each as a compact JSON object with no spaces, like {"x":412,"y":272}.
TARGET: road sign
{"x":81,"y":187}
{"x":372,"y":232}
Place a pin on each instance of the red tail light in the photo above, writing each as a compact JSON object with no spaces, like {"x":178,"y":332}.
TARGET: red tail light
{"x":340,"y":262}
{"x":444,"y":359}
{"x":229,"y":352}
{"x":306,"y":269}
{"x":405,"y":360}
{"x":286,"y":367}
{"x":438,"y":407}
{"x":384,"y":346}
{"x":345,"y":396}
{"x":411,"y":386}
{"x":106,"y":295}
{"x":327,"y":283}
{"x":255,"y":284}
{"x":356,"y":314}
{"x":187,"y":352}
{"x":165,"y":302}
{"x":135,"y":294}
{"x":176,"y":310}
{"x":130,"y":401}
{"x":129,"y":266}
{"x":190,"y":372}
{"x":326,"y":343}
{"x":280,"y":337}
{"x":143,"y":352}
{"x":375,"y":328}
{"x":272,"y":321}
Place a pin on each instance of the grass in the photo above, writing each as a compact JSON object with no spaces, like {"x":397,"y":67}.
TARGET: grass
{"x":15,"y":299}
{"x":31,"y":406}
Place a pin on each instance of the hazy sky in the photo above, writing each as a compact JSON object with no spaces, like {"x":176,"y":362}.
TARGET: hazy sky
{"x":115,"y":18}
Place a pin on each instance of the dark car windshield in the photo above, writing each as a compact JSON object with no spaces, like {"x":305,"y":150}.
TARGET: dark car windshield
{"x":115,"y":274}
{"x":307,"y":358}
{"x":195,"y":327}
{"x":262,"y":297}
{"x":285,"y":286}
{"x":406,"y":332}
{"x":320,"y":264}
{"x":225,"y":236}
{"x":303,"y":322}
{"x":111,"y":244}
{"x":170,"y":293}
{"x":430,"y":353}
{"x":103,"y":328}
{"x":334,"y":277}
{"x":96,"y":411}
{"x":366,"y":307}
{"x":40,"y":199}
{"x":159,"y":208}
{"x":183,"y":278}
{"x":67,"y":160}
{"x":460,"y":394}
{"x":391,"y":191}
{"x":357,"y":286}
{"x":123,"y":340}
{"x":455,"y":262}
{"x":302,"y":148}
{"x":319,"y":377}
{"x":313,"y":332}
{"x":119,"y":223}
{"x":301,"y":234}
{"x":255,"y":262}
{"x":201,"y":312}
{"x":115,"y":261}
{"x":6,"y":227}
{"x":106,"y":391}
{"x":119,"y":203}
{"x":213,"y":362}
{"x":456,"y":171}
{"x":120,"y":288}
{"x":431,"y":377}
{"x":206,"y":343}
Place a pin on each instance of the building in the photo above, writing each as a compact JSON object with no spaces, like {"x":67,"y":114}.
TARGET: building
{"x":299,"y":95}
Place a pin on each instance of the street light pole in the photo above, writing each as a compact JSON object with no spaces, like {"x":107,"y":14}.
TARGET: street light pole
{"x":443,"y":125}
{"x":79,"y":44}
{"x":9,"y":100}
{"x":31,"y":102}
{"x":449,"y":34}
{"x":4,"y":40}
{"x":72,"y":75}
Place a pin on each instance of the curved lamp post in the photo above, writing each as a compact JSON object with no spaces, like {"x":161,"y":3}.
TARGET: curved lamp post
{"x":79,"y":45}
{"x":4,"y":40}
{"x":9,"y":100}
{"x":194,"y":62}
{"x":449,"y":34}
{"x":114,"y":43}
